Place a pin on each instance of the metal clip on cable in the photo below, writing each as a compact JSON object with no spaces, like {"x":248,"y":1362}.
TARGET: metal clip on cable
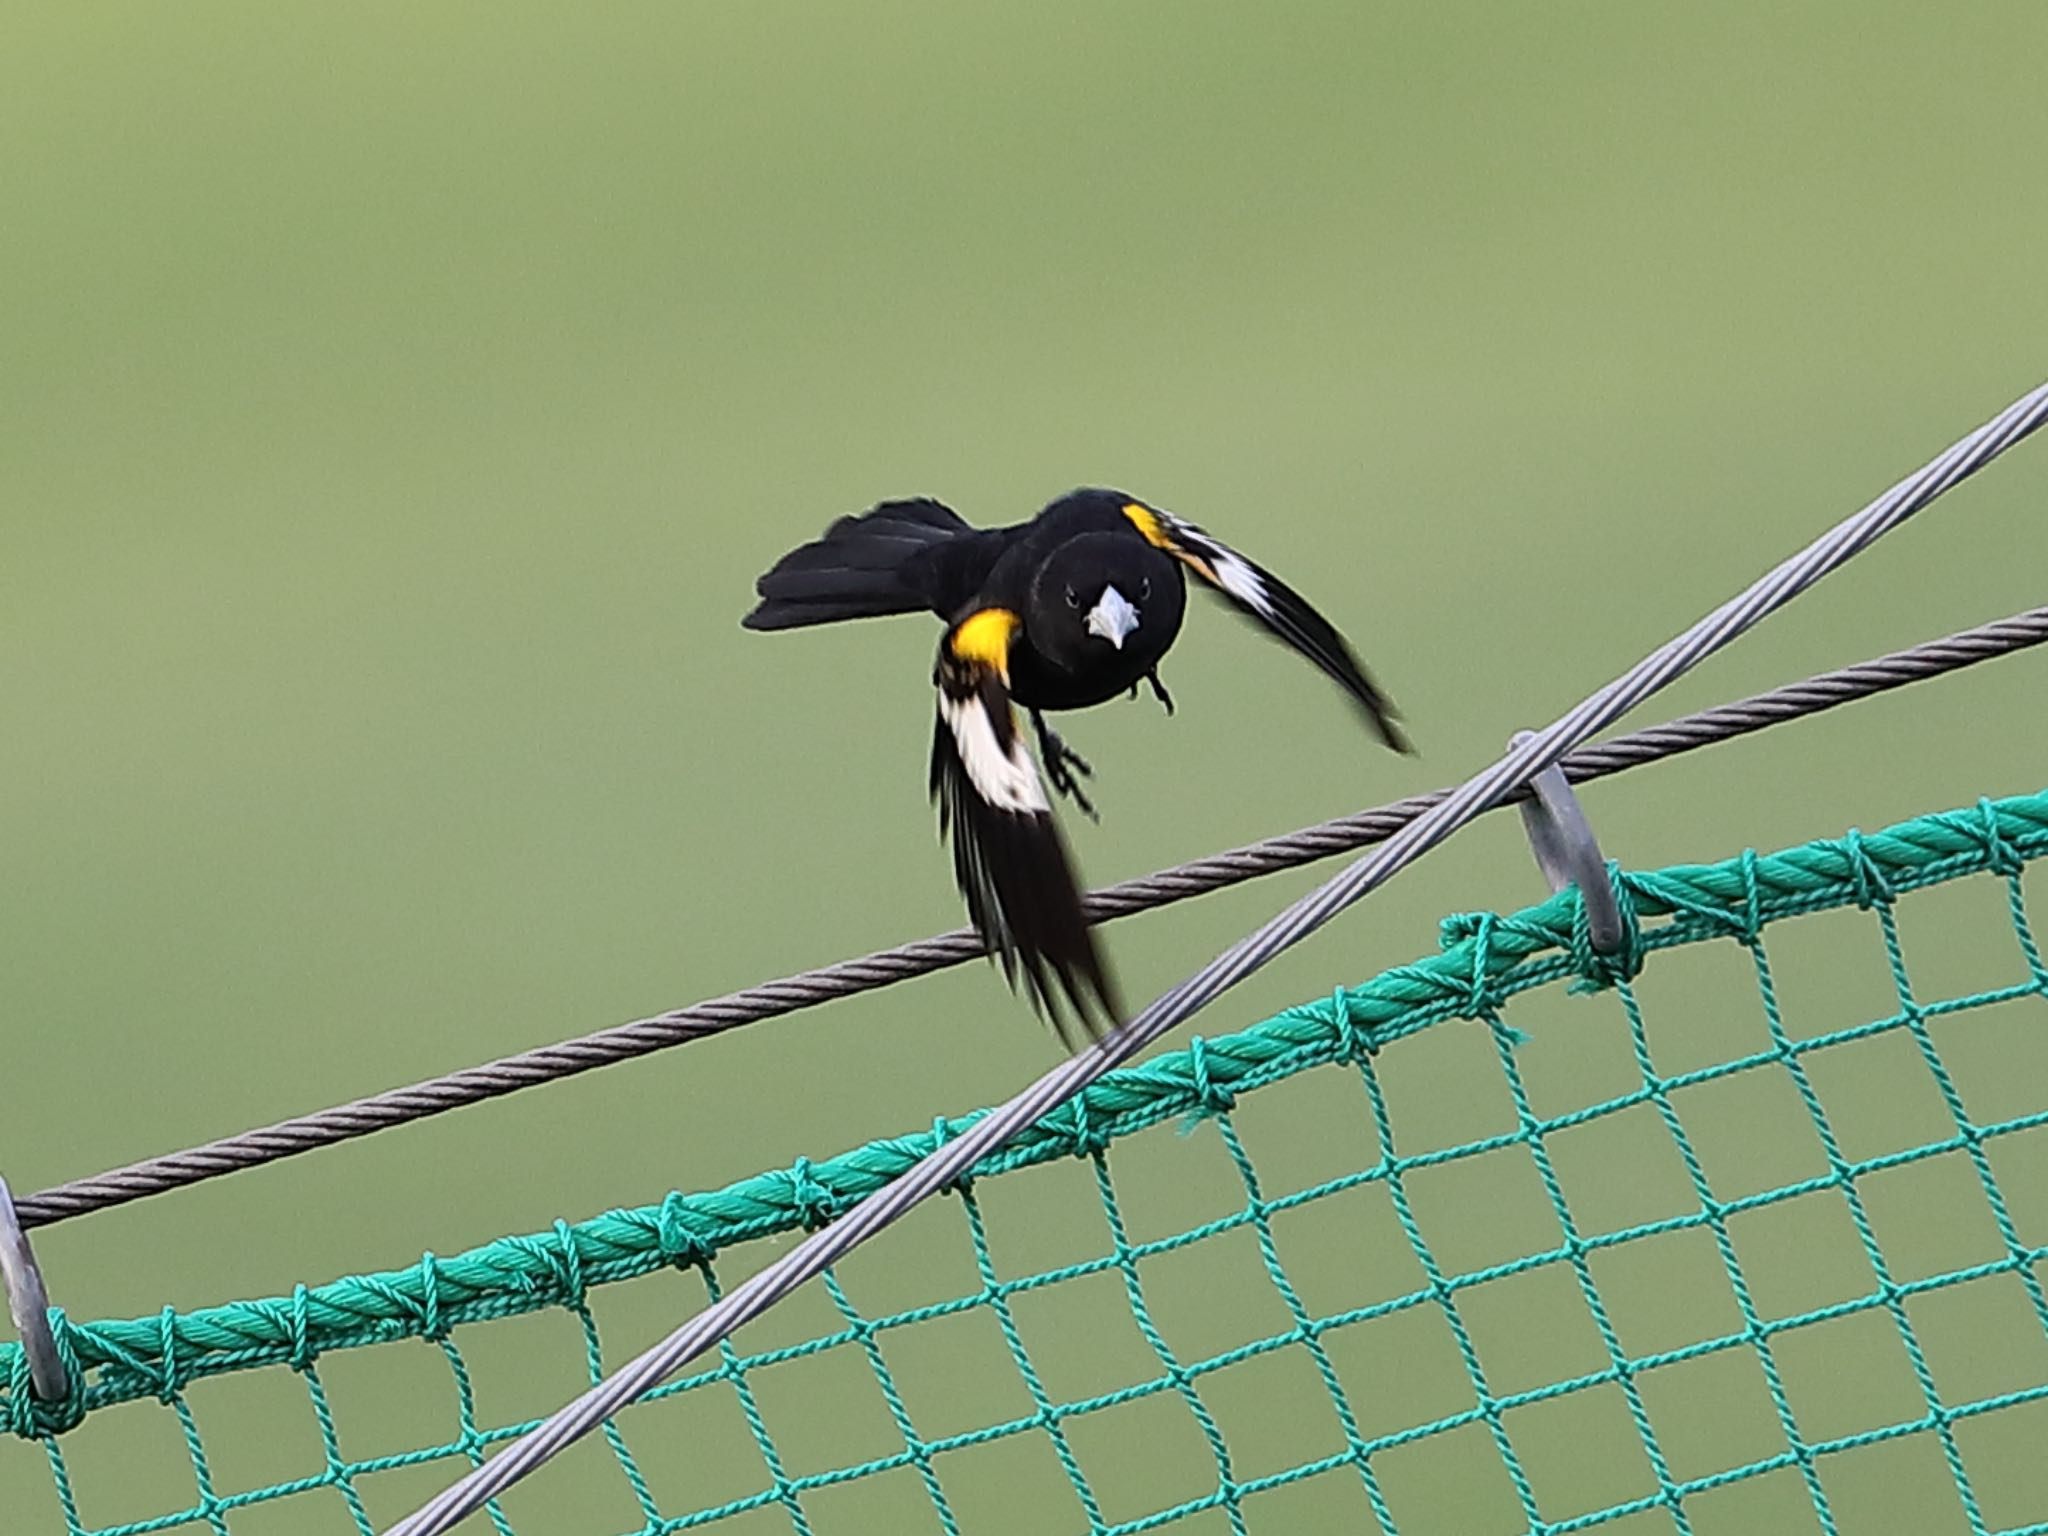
{"x":1568,"y":853}
{"x":30,"y":1304}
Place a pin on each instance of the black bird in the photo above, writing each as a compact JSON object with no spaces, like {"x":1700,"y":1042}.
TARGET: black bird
{"x":1062,"y":612}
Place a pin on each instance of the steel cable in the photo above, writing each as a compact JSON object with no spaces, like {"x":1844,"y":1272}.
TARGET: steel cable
{"x":623,"y":1042}
{"x":1531,"y":755}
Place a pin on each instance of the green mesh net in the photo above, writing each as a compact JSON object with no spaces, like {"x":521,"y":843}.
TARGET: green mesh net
{"x":1740,"y":1230}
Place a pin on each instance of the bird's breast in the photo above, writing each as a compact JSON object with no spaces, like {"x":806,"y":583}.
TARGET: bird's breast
{"x":1103,"y":672}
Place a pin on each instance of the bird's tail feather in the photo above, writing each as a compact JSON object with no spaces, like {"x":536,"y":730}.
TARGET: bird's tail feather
{"x":863,"y":567}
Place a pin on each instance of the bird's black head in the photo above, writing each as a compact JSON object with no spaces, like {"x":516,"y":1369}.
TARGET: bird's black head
{"x":1106,"y":600}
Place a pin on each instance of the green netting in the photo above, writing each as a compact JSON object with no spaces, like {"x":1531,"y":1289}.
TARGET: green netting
{"x":1772,"y":1265}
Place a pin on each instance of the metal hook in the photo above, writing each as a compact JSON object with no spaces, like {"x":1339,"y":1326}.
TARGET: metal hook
{"x":30,"y":1304}
{"x":1567,"y":852}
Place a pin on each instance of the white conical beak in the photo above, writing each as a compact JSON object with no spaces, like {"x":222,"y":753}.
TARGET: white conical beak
{"x":1112,"y":617}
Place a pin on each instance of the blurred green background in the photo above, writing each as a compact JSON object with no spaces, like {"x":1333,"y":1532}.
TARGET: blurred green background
{"x":399,"y":403}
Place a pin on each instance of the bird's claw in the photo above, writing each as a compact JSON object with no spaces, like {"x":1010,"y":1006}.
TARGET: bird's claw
{"x":1158,"y":690}
{"x":1062,"y":763}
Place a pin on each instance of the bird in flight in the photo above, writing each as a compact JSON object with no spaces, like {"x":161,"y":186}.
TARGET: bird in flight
{"x":1065,"y":611}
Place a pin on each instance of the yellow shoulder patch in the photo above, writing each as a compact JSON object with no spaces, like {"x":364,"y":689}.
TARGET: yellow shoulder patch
{"x":1146,"y":521}
{"x":985,"y":637}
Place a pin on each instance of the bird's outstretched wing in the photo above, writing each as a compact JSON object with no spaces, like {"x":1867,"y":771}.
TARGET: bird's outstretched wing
{"x":1283,"y":612}
{"x":1008,"y":855}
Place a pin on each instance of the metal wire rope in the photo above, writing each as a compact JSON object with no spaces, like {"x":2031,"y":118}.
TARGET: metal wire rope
{"x":845,"y":978}
{"x":1529,"y":756}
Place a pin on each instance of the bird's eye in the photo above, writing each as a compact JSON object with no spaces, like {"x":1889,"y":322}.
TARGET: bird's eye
{"x":1144,"y":588}
{"x":1073,"y":598}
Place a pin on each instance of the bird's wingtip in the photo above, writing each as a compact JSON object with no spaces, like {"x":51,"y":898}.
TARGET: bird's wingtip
{"x":1380,"y":714}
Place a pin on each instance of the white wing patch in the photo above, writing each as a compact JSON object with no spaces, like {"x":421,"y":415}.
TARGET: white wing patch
{"x":1225,"y":567}
{"x":1007,"y":781}
{"x":1236,"y":576}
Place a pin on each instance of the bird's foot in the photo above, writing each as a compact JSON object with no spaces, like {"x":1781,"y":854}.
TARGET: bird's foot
{"x":1158,"y":690}
{"x":1062,"y":763}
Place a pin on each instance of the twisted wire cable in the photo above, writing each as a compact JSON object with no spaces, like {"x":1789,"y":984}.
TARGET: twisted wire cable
{"x":914,"y":959}
{"x":1528,"y":757}
{"x":807,"y":989}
